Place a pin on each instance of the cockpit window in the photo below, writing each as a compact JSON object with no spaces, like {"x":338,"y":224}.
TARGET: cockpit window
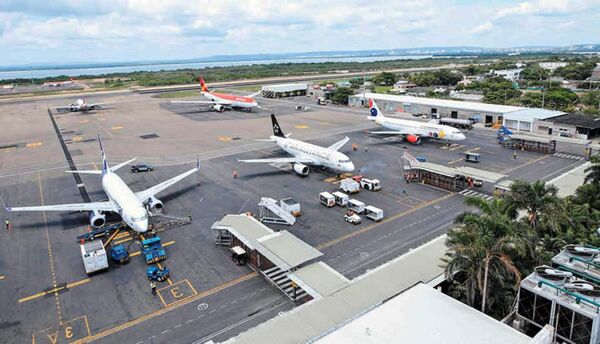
{"x":141,"y":218}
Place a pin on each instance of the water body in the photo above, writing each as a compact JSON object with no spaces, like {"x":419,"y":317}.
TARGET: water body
{"x":74,"y":72}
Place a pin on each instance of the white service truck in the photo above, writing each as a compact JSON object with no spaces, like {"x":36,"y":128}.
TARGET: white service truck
{"x":370,"y":184}
{"x":350,"y":186}
{"x":94,"y":256}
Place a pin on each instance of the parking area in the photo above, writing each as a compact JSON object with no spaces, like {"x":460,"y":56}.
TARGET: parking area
{"x":42,"y":279}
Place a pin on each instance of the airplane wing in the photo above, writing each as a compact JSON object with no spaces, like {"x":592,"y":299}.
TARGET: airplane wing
{"x":279,"y":160}
{"x":390,"y":132}
{"x":336,"y":146}
{"x":98,"y":206}
{"x":58,"y":108}
{"x":96,"y":105}
{"x":145,"y":194}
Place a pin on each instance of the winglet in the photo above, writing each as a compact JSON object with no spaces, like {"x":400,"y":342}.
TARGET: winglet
{"x":7,"y":208}
{"x":105,"y":168}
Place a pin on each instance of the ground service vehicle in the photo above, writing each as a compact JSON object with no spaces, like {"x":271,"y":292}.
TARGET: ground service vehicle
{"x":349,"y":185}
{"x":154,"y":273}
{"x":153,"y":251}
{"x":356,"y":206}
{"x":141,"y":168}
{"x":352,"y":218}
{"x":341,"y":198}
{"x":374,"y":213}
{"x":327,"y":199}
{"x":370,"y":184}
{"x":94,"y":256}
{"x":119,"y":254}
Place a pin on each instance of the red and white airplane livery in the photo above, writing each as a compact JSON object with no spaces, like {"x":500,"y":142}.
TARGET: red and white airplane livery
{"x":221,"y":101}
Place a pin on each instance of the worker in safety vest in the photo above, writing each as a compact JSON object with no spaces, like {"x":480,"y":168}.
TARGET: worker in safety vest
{"x":153,"y":287}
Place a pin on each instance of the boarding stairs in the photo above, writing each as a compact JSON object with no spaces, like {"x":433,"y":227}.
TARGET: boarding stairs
{"x":280,"y":279}
{"x":271,"y":212}
{"x":222,"y":235}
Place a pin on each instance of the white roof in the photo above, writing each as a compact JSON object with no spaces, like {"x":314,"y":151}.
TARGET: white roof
{"x":319,"y":279}
{"x":529,"y":114}
{"x":284,"y":87}
{"x":445,"y":103}
{"x":424,"y":315}
{"x":322,"y":315}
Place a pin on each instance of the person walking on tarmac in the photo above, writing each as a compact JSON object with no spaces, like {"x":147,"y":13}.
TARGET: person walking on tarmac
{"x":7,"y":222}
{"x":234,"y":174}
{"x":515,"y":154}
{"x":153,"y":287}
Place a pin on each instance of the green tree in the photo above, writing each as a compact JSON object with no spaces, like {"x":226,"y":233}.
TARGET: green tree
{"x":341,"y":94}
{"x":385,"y":78}
{"x":576,"y":71}
{"x":538,"y":199}
{"x":593,"y":171}
{"x":481,"y":250}
{"x":533,"y":71}
{"x":588,"y":194}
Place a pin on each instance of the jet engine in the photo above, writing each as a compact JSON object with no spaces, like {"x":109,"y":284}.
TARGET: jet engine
{"x":219,"y":108}
{"x":301,"y":169}
{"x":155,"y":204}
{"x":413,"y":139}
{"x":97,"y":219}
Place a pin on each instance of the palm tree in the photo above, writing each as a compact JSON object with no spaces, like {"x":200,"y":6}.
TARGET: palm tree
{"x":537,"y":198}
{"x":593,"y":171}
{"x":482,"y":246}
{"x":588,"y":194}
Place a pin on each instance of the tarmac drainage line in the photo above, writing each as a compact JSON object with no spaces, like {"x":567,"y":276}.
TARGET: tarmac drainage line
{"x":82,"y":190}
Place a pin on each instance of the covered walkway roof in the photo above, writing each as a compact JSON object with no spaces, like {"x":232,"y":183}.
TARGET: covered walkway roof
{"x":475,"y":173}
{"x":282,"y":248}
{"x":322,"y":315}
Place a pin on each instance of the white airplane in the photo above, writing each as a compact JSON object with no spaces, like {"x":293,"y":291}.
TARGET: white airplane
{"x":221,"y":101}
{"x":131,"y":206}
{"x":80,"y":105}
{"x":413,"y":131}
{"x":306,"y":153}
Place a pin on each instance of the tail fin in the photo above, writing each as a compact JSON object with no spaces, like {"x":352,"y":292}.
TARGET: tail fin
{"x":203,"y":84}
{"x":276,"y":128}
{"x":105,"y":167}
{"x":374,"y":111}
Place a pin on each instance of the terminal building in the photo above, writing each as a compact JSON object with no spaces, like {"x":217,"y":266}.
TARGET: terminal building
{"x":284,"y":90}
{"x":515,"y":118}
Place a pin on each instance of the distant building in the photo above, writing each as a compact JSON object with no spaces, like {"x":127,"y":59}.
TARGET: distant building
{"x":284,"y":90}
{"x":551,"y":66}
{"x":596,"y":73}
{"x":402,"y":86}
{"x":508,"y":74}
{"x":318,"y":91}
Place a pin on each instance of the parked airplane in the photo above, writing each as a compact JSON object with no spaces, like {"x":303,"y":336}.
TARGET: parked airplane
{"x":80,"y":105}
{"x":306,"y":153}
{"x":133,"y":207}
{"x":413,"y":131}
{"x":221,"y":101}
{"x":59,"y":83}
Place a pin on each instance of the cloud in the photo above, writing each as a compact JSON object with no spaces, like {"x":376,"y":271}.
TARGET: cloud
{"x":483,"y":28}
{"x":99,"y":30}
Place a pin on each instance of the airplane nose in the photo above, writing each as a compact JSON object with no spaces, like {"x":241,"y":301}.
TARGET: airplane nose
{"x":141,"y":226}
{"x":349,"y":167}
{"x":461,"y":136}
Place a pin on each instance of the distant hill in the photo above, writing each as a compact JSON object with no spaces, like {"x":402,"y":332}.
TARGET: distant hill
{"x":427,"y":51}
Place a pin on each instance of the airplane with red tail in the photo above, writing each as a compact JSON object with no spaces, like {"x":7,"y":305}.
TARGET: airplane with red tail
{"x":222,"y":101}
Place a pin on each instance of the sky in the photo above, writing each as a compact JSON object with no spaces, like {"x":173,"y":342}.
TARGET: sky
{"x":68,"y":31}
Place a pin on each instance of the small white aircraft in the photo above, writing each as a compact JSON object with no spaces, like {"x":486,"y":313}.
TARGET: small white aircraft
{"x":80,"y":105}
{"x":222,"y":101}
{"x":413,"y":131}
{"x":306,"y":153}
{"x":131,"y":206}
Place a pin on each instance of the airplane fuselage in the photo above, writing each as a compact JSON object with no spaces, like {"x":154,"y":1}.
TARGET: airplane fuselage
{"x":421,"y":129}
{"x":319,"y":156}
{"x":235,"y":101}
{"x":130,"y":208}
